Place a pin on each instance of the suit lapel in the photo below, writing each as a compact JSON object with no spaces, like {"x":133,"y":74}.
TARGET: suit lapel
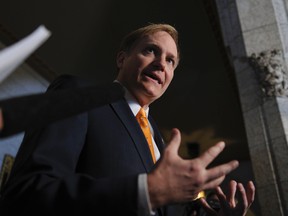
{"x":128,"y":119}
{"x":157,"y":136}
{"x":125,"y":114}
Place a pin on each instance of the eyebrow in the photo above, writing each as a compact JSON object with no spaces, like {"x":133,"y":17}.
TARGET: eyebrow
{"x":170,"y":55}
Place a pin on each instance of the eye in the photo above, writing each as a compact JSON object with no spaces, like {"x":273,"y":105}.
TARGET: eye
{"x":171,"y":61}
{"x":150,"y":50}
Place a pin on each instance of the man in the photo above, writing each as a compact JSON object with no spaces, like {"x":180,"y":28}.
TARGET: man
{"x":101,"y":157}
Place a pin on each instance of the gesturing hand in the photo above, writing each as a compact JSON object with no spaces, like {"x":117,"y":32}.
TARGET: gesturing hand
{"x":229,"y":206}
{"x":176,"y":180}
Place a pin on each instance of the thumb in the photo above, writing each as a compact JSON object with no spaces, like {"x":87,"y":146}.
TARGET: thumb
{"x":175,"y":140}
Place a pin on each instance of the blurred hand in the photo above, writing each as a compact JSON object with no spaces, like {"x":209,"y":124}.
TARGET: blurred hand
{"x":175,"y":180}
{"x":229,"y":206}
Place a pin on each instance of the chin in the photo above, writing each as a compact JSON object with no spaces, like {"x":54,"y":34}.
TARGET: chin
{"x":152,"y":92}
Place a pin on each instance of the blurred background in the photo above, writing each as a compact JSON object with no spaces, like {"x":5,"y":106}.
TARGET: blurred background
{"x":202,"y":100}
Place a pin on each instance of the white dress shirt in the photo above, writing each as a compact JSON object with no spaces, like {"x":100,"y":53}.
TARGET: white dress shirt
{"x":144,"y":205}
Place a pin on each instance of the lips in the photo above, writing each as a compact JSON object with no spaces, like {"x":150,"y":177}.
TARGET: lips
{"x":154,"y":76}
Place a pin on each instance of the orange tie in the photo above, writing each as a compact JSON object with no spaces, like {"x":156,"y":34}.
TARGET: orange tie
{"x":143,"y":122}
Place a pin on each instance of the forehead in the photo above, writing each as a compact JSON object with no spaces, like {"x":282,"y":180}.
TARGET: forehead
{"x":161,"y":39}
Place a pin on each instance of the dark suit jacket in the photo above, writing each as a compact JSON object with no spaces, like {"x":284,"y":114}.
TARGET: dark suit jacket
{"x":89,"y":162}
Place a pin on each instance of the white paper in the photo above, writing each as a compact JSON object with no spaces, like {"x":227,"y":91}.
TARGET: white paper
{"x":13,"y":56}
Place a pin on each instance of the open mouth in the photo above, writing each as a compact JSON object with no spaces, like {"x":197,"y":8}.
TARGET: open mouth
{"x":154,"y":77}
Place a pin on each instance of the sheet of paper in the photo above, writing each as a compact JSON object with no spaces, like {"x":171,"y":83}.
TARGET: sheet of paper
{"x":14,"y":55}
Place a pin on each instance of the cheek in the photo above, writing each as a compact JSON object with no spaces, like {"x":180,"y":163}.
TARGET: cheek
{"x":135,"y":65}
{"x":169,"y":77}
{"x":130,"y":68}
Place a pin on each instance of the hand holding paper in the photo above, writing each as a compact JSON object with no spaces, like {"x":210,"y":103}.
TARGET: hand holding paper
{"x":14,"y":55}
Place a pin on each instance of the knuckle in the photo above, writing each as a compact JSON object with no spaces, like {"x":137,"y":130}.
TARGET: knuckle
{"x":198,"y":180}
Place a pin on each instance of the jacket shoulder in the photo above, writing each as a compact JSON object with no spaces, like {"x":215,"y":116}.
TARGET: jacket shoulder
{"x":69,"y":81}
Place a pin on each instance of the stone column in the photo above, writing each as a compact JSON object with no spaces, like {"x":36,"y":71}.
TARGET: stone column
{"x":256,"y":31}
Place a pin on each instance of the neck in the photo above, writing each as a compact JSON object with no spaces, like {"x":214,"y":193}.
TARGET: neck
{"x":141,"y":100}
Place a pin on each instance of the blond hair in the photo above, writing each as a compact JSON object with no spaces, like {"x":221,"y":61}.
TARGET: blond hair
{"x":129,"y":40}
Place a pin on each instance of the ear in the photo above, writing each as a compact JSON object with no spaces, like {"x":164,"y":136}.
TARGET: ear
{"x":120,"y":58}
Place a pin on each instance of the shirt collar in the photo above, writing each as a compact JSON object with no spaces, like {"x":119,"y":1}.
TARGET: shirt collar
{"x":132,"y":102}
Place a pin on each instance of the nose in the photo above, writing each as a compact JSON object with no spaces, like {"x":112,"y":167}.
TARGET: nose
{"x":160,"y":63}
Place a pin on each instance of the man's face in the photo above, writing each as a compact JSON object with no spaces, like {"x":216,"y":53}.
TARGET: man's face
{"x":147,"y":70}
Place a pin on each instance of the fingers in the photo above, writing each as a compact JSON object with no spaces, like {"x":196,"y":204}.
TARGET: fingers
{"x":221,"y":196}
{"x":207,"y":207}
{"x":250,"y":192}
{"x":175,"y":141}
{"x":247,"y":195}
{"x":232,"y":192}
{"x":243,"y":203}
{"x":222,"y":170}
{"x":208,"y":156}
{"x":214,"y":176}
{"x":220,"y":193}
{"x":222,"y":199}
{"x":228,"y":203}
{"x":213,"y":183}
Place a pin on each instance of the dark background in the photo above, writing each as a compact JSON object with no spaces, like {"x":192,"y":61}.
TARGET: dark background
{"x":201,"y":101}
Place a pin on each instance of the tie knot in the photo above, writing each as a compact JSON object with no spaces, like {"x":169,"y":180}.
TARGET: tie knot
{"x":141,"y":113}
{"x":141,"y":118}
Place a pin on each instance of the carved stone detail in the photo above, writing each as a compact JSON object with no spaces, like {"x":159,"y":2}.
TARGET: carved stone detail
{"x":270,"y":68}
